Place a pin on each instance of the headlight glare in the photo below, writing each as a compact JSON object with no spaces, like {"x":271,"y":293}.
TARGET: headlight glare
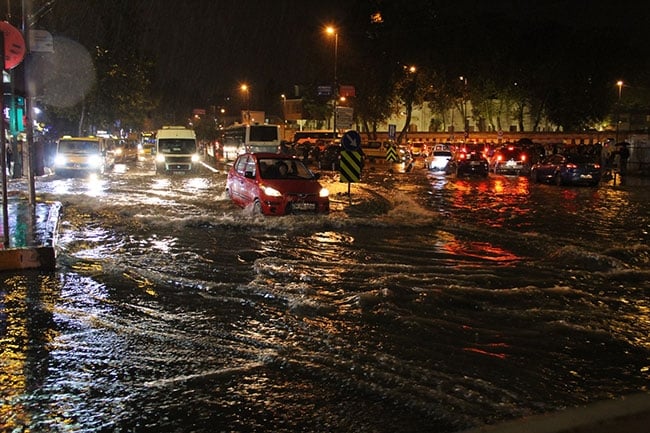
{"x":271,"y":192}
{"x":95,"y":161}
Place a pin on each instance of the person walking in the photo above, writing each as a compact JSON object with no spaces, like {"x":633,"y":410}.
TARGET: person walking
{"x":10,"y":158}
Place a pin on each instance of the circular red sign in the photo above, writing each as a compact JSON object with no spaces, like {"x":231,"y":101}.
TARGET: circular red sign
{"x":14,"y":45}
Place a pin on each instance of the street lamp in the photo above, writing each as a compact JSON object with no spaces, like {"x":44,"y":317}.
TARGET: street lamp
{"x":463,"y":79}
{"x":244,"y":88}
{"x":284,"y":107}
{"x":619,"y":83}
{"x":330,"y":30}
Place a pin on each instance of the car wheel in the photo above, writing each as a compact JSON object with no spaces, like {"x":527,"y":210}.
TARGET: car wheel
{"x":257,"y":207}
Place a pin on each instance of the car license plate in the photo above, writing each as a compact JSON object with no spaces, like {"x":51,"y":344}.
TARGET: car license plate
{"x":303,"y":206}
{"x":472,"y":163}
{"x":511,"y":163}
{"x":585,"y":176}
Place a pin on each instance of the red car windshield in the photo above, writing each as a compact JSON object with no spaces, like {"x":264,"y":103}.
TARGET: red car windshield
{"x":284,"y":168}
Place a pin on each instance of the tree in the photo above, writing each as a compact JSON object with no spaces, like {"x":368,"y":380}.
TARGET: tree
{"x":110,"y":30}
{"x":410,"y":89}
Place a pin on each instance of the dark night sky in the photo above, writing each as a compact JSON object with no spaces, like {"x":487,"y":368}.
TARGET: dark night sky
{"x":217,"y":45}
{"x":209,"y":47}
{"x":205,"y":49}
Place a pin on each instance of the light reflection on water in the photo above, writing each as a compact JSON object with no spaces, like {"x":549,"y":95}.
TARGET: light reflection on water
{"x":162,"y":319}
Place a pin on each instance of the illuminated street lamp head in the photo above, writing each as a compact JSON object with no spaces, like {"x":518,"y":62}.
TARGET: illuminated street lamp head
{"x":244,"y":88}
{"x":330,"y":30}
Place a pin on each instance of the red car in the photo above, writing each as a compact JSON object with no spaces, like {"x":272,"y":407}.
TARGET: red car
{"x":275,"y":184}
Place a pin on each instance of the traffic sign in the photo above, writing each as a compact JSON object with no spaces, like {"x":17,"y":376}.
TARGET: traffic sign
{"x":350,"y":166}
{"x":392,"y":129}
{"x":351,"y":141}
{"x":14,"y":46}
{"x":391,"y":154}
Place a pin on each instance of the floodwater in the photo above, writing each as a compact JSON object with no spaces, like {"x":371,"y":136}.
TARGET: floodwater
{"x":421,"y":303}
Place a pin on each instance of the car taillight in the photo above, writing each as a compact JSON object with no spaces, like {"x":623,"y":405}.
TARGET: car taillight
{"x":500,"y":158}
{"x":596,"y":165}
{"x":523,"y":158}
{"x":571,"y":166}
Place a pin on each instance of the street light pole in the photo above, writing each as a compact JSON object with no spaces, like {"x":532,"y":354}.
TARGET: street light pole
{"x":465,"y":120}
{"x":332,"y":31}
{"x":246,"y":90}
{"x":619,"y":83}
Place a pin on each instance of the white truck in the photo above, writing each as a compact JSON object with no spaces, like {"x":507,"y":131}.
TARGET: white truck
{"x":176,"y":150}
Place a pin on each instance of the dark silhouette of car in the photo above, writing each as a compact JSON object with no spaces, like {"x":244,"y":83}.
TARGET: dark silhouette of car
{"x":567,"y":169}
{"x":510,"y":159}
{"x":469,"y":163}
{"x":330,"y":158}
{"x":275,"y":184}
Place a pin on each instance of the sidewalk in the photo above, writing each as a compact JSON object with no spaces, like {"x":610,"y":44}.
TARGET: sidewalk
{"x":32,"y":236}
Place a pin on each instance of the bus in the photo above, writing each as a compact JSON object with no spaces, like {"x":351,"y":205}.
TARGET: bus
{"x":240,"y":138}
{"x":313,"y":137}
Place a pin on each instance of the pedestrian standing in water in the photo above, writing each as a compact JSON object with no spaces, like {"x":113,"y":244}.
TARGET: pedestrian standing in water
{"x":623,"y":156}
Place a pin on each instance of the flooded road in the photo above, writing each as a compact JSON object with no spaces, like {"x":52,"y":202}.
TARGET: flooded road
{"x":422,"y":303}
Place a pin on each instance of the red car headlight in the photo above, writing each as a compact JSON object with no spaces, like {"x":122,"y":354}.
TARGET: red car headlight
{"x":271,"y":192}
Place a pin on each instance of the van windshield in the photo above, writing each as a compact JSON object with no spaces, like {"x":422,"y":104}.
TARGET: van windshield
{"x":78,"y":146}
{"x":176,"y":145}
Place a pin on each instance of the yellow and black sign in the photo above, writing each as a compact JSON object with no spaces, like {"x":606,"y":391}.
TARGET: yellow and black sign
{"x":391,"y":154}
{"x":350,"y":165}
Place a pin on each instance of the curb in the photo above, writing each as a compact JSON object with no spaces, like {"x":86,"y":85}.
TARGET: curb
{"x":42,"y":255}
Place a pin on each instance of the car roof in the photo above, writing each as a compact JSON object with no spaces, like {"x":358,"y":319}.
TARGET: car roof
{"x":270,"y":155}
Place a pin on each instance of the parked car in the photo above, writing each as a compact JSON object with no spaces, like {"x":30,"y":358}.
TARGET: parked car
{"x":469,"y":163}
{"x":375,"y":149}
{"x":440,"y":157}
{"x":510,"y":159}
{"x":568,"y":169}
{"x":275,"y":184}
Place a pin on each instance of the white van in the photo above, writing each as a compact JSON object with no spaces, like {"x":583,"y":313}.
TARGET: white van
{"x":83,"y":155}
{"x":176,"y":150}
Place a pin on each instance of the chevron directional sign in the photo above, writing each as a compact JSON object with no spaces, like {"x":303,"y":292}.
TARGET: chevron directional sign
{"x":350,"y":166}
{"x":391,"y":154}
